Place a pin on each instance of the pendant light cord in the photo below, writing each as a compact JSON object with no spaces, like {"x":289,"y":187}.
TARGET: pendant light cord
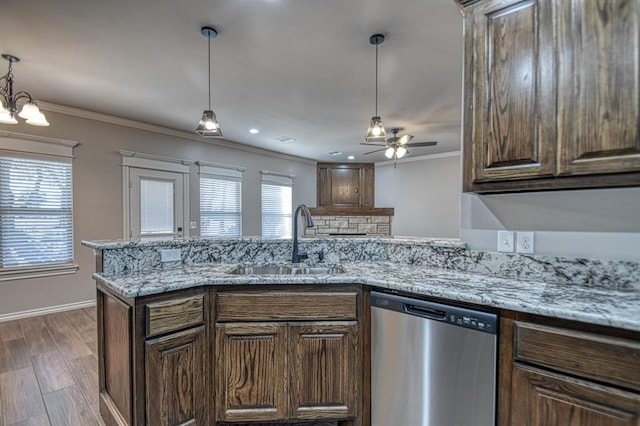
{"x":376,"y":80}
{"x":209,"y":48}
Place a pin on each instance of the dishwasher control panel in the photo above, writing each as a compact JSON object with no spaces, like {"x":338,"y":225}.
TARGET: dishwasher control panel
{"x":454,"y":315}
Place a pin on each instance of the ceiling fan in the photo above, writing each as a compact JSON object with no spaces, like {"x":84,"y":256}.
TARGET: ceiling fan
{"x":396,"y":147}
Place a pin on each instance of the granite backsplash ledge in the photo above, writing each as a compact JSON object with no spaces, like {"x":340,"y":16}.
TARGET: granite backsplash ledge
{"x":125,"y":256}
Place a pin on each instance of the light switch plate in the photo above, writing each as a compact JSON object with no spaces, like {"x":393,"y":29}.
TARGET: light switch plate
{"x":193,"y":225}
{"x":170,"y":255}
{"x":505,"y":241}
{"x":524,"y":242}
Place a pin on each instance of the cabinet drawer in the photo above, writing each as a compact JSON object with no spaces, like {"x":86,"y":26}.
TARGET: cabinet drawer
{"x":606,"y":359}
{"x":176,"y":314}
{"x":286,"y":306}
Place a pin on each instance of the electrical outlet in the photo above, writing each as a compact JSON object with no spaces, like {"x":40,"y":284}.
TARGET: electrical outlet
{"x":524,"y":242}
{"x":170,"y":255}
{"x":505,"y":241}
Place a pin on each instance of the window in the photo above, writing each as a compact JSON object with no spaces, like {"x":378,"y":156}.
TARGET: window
{"x":276,"y":205}
{"x":220,"y":201}
{"x":36,"y":225}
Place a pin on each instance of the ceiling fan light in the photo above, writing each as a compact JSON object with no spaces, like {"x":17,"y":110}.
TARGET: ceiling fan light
{"x":7,"y":118}
{"x":401,"y":151}
{"x":208,"y":126}
{"x":376,"y":132}
{"x":30,"y":111}
{"x":38,"y":120}
{"x":389,"y":152}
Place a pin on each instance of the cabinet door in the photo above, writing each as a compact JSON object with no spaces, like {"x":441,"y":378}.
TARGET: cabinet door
{"x":251,"y":384}
{"x":175,"y":372}
{"x":541,"y":398}
{"x":599,"y":88}
{"x":345,"y":187}
{"x":509,"y":71}
{"x":323,"y":370}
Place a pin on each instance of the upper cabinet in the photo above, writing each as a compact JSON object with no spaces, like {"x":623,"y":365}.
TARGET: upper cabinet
{"x":551,"y":94}
{"x":345,"y":185}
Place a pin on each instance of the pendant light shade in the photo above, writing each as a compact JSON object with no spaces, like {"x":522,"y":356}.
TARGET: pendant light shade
{"x":375,"y":131}
{"x":208,"y":126}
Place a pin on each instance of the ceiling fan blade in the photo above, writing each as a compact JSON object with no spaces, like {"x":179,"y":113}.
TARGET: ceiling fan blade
{"x":402,"y":140}
{"x":377,"y":150}
{"x":432,"y":143}
{"x":373,"y":143}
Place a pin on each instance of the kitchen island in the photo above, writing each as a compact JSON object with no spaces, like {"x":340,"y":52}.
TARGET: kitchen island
{"x":578,"y":295}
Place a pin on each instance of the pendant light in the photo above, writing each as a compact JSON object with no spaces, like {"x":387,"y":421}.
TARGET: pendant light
{"x":376,"y":132}
{"x":208,"y":126}
{"x":9,"y":101}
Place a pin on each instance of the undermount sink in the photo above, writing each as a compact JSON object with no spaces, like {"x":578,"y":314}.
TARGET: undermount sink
{"x":287,"y":270}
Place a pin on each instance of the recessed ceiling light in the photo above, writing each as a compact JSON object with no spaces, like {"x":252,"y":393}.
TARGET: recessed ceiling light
{"x":351,"y":157}
{"x":254,"y":131}
{"x":334,"y":153}
{"x":284,"y":139}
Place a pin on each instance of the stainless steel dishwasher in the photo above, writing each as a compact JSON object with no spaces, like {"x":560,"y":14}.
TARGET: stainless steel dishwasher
{"x":431,"y":364}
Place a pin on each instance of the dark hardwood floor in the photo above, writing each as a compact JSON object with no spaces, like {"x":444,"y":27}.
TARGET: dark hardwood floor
{"x":49,"y":370}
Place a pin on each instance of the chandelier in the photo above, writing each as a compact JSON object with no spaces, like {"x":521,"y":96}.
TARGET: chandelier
{"x":9,"y":101}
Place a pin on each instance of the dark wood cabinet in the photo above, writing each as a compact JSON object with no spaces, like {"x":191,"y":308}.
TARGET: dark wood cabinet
{"x":251,"y":384}
{"x":545,"y":398}
{"x":598,"y":86}
{"x":322,"y":361}
{"x":241,"y":355}
{"x":551,"y":376}
{"x":153,"y":359}
{"x":345,"y":185}
{"x":175,"y":372}
{"x":294,"y":356}
{"x":551,"y":94}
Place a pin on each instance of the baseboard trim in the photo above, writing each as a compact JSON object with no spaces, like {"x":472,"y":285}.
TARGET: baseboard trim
{"x":48,"y":310}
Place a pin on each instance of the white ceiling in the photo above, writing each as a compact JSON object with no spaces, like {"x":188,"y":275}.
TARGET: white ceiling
{"x":297,"y":68}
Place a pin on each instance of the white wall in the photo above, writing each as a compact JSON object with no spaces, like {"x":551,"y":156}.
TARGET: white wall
{"x":98,"y":195}
{"x":600,"y":224}
{"x":425,"y":193}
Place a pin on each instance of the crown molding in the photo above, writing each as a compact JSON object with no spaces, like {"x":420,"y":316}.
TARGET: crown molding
{"x":125,"y":122}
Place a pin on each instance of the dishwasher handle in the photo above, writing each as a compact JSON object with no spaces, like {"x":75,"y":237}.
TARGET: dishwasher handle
{"x":425,"y":312}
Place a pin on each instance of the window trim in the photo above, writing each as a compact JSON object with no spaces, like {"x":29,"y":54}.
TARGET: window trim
{"x":220,"y":172}
{"x":36,"y":147}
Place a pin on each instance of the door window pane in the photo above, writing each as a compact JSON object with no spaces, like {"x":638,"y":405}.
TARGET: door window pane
{"x":156,"y":206}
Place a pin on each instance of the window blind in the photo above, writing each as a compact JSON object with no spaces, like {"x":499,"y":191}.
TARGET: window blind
{"x":221,"y":204}
{"x":36,"y":227}
{"x":276,"y":206}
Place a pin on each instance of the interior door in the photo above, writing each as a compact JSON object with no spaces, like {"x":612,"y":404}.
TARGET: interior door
{"x":156,"y":204}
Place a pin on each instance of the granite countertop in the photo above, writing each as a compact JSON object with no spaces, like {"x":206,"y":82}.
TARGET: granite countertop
{"x":603,"y":306}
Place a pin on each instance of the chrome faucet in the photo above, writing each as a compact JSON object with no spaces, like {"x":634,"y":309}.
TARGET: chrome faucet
{"x":295,"y":256}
